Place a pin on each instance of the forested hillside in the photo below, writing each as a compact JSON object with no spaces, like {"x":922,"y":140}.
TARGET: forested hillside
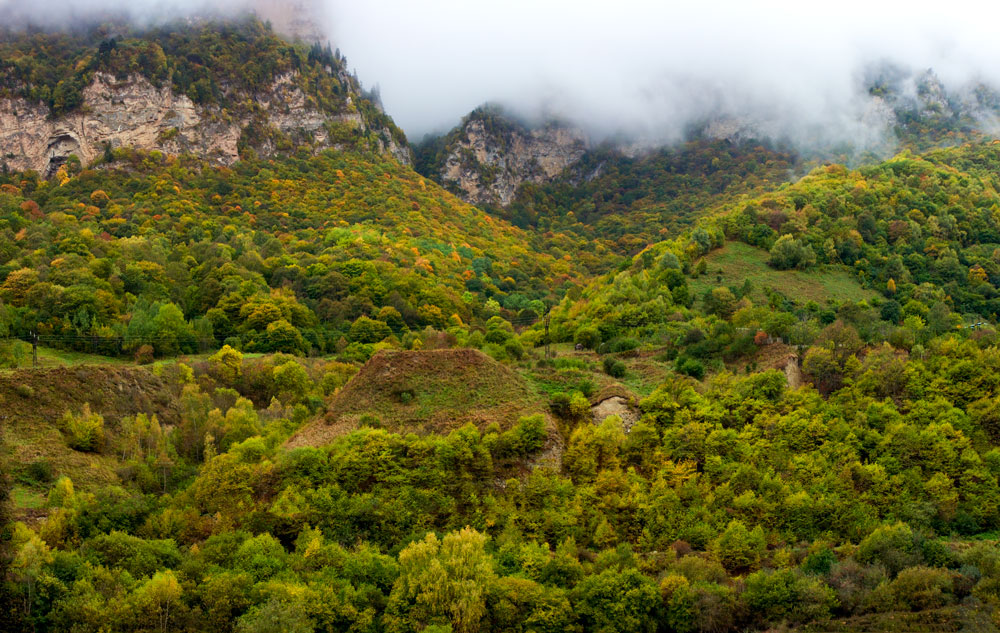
{"x":292,"y":255}
{"x":315,"y":391}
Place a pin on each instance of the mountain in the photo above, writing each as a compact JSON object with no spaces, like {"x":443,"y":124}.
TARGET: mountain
{"x":216,"y":90}
{"x":491,"y":154}
{"x":718,"y":386}
{"x":525,"y":172}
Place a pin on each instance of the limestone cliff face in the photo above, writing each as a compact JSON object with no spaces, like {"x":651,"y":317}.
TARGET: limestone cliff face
{"x":489,"y":156}
{"x":135,"y":113}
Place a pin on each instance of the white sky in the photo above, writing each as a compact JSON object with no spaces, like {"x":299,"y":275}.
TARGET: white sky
{"x":643,"y":64}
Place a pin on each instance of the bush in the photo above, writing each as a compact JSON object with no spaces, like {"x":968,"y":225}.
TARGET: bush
{"x":587,"y":336}
{"x":738,"y":548}
{"x":919,"y":588}
{"x":892,"y":545}
{"x":37,"y":472}
{"x":787,"y":595}
{"x":617,"y":601}
{"x":144,"y":355}
{"x":226,"y":364}
{"x":570,"y":406}
{"x":614,"y":367}
{"x":586,"y":387}
{"x":84,"y":432}
{"x":789,"y":252}
{"x":514,"y":349}
{"x":336,"y":376}
{"x":623,"y":345}
{"x":292,"y":381}
{"x":819,"y":562}
{"x":690,"y":367}
{"x":527,"y":436}
{"x":567,"y":362}
{"x":25,"y":391}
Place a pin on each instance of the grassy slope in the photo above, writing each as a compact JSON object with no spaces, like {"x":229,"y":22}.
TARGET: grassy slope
{"x":35,"y":401}
{"x":427,"y":391}
{"x":49,"y":358}
{"x":736,"y":262}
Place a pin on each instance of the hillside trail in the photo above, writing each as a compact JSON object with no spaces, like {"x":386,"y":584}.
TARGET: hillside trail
{"x":792,"y":373}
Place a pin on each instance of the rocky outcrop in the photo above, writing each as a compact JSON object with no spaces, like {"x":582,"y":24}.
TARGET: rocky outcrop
{"x":489,"y":156}
{"x":135,"y":113}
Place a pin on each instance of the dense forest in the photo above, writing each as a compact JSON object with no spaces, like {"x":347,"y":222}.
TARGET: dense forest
{"x":689,"y":392}
{"x":309,"y":253}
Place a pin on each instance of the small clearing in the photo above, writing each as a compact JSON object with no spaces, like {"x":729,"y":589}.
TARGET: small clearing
{"x":736,"y":262}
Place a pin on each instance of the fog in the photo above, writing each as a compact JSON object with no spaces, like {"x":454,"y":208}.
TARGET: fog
{"x":70,"y":13}
{"x":653,"y":68}
{"x":643,"y":68}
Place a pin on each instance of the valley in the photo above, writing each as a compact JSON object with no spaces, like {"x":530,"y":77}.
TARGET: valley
{"x":298,"y":374}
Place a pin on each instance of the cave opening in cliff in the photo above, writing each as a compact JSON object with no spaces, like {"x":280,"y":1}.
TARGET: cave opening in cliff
{"x":61,"y":147}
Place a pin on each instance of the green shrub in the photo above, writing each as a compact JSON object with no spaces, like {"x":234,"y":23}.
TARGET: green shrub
{"x":739,"y":548}
{"x":892,"y":545}
{"x":586,"y":387}
{"x":527,"y":436}
{"x":291,"y":381}
{"x":787,"y":595}
{"x":514,"y":349}
{"x":690,"y":367}
{"x":624,"y":345}
{"x":614,"y":367}
{"x":919,"y":588}
{"x":570,"y":406}
{"x":25,"y":391}
{"x":819,"y":562}
{"x":588,"y":336}
{"x":38,"y":472}
{"x":566,"y":362}
{"x":84,"y":432}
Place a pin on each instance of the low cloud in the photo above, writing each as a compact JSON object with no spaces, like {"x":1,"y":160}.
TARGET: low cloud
{"x":655,"y":68}
{"x":635,"y":67}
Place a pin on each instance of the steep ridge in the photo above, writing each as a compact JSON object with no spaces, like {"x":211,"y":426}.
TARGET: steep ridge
{"x":157,"y":91}
{"x":491,"y":154}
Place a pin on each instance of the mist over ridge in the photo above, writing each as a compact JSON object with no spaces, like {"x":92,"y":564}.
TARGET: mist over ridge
{"x":635,"y":70}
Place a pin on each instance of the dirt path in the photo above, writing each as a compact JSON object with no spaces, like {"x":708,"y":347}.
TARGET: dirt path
{"x":793,"y":374}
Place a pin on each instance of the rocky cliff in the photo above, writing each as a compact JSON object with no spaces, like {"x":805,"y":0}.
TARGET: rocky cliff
{"x":490,"y":155}
{"x":134,"y":113}
{"x":283,"y":109}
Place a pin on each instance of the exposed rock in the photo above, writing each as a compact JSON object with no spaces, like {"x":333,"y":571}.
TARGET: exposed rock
{"x":490,"y":155}
{"x":615,"y":405}
{"x":793,"y":374}
{"x":135,"y":113}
